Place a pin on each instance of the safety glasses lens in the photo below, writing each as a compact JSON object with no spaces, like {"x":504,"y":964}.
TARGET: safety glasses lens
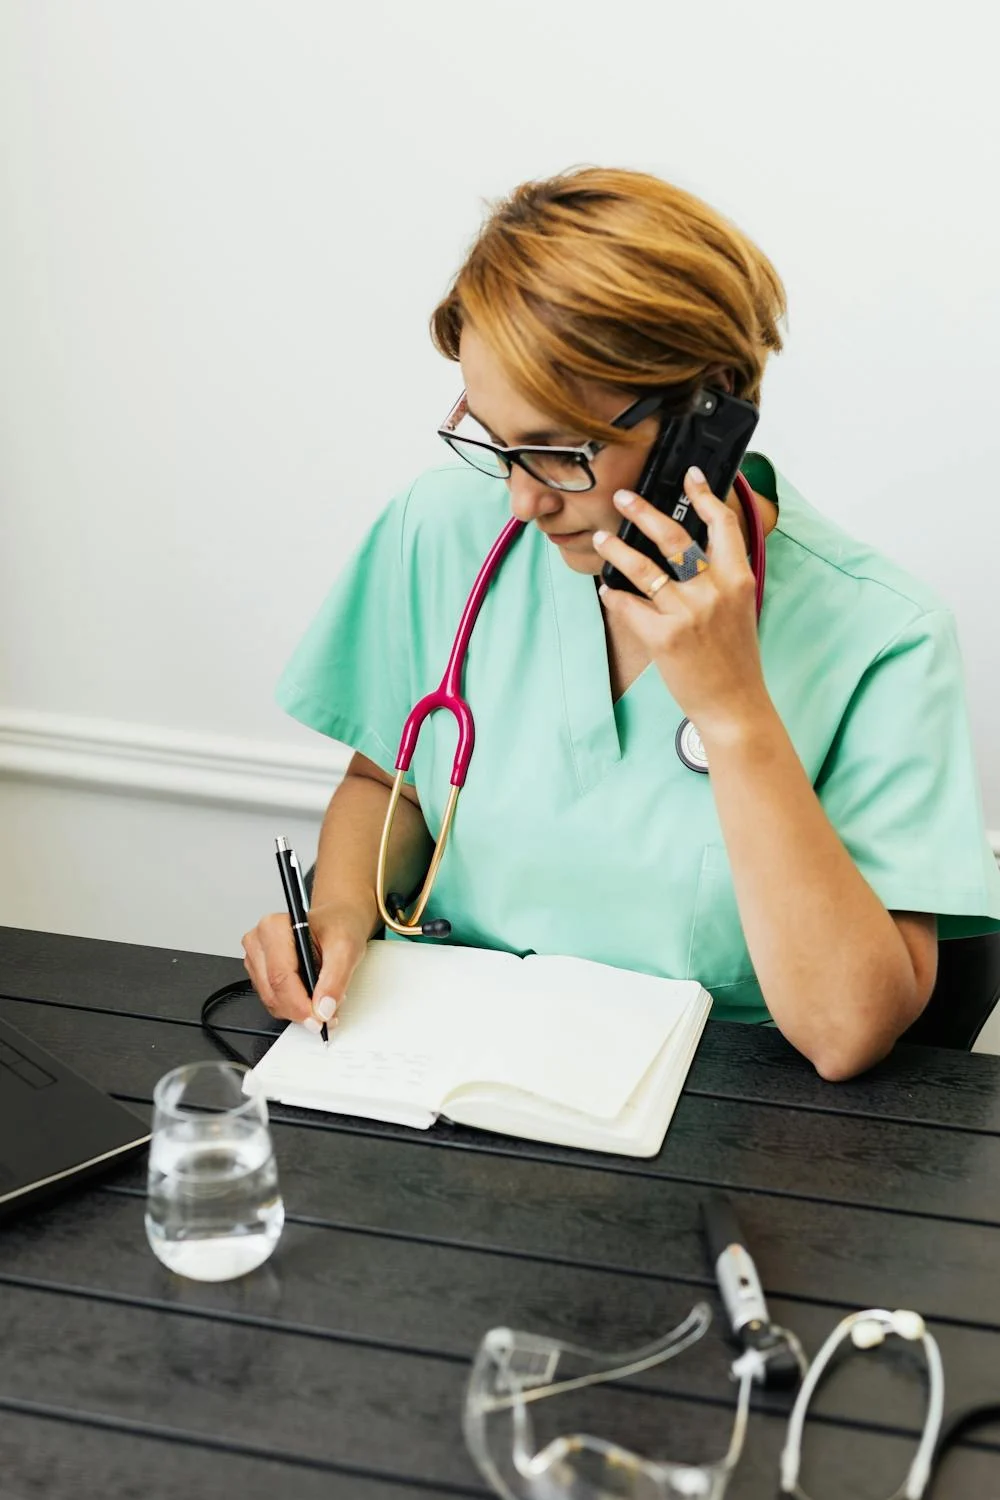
{"x":532,"y":1401}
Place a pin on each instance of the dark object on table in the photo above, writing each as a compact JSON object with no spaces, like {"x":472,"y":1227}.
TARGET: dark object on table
{"x":55,"y":1127}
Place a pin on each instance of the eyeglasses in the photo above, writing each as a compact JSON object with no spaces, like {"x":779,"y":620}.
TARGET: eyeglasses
{"x":559,"y":468}
{"x":512,"y":1371}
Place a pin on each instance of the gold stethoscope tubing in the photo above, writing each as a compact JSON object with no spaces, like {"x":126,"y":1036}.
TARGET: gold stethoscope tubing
{"x":411,"y":923}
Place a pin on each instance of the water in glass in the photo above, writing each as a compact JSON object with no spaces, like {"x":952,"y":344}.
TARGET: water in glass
{"x":213,"y":1208}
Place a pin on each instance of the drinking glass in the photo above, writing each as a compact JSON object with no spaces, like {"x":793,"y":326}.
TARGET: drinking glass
{"x":213,"y":1206}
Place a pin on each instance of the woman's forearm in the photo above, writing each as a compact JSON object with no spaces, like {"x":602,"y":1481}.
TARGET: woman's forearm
{"x":833,"y":968}
{"x":347,"y":860}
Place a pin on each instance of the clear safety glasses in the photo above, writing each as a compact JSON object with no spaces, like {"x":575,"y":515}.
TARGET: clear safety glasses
{"x":514,"y":1380}
{"x":559,"y":468}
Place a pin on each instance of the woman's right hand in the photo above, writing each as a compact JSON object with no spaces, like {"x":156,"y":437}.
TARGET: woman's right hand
{"x":340,"y":939}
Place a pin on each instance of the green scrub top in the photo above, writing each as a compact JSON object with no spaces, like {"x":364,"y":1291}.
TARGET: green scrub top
{"x":579,"y":830}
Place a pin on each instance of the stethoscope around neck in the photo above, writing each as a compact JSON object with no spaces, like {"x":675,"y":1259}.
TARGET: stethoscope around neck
{"x":448,"y":695}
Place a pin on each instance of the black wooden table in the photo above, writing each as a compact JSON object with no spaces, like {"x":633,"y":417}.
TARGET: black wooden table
{"x":338,"y":1369}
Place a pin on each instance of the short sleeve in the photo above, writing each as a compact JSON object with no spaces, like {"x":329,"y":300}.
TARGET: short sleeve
{"x":900,"y":785}
{"x":348,"y":677}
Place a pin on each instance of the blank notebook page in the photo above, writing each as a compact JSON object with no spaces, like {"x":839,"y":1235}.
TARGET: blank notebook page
{"x":583,"y":1034}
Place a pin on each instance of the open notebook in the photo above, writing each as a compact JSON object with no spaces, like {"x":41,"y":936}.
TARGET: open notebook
{"x":553,"y":1049}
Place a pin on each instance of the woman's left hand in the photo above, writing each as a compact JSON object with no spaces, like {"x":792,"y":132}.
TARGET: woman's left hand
{"x":702,"y":633}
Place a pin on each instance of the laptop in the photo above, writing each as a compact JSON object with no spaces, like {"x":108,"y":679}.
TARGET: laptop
{"x":55,"y":1128}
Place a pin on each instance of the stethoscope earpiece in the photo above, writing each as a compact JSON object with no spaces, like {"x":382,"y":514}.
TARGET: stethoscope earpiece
{"x":868,"y":1334}
{"x":908,"y":1325}
{"x":438,"y":928}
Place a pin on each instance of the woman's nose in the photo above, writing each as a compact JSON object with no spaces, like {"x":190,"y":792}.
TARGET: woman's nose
{"x":530,"y":498}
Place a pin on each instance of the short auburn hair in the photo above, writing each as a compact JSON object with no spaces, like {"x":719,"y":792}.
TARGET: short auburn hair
{"x":616,"y":277}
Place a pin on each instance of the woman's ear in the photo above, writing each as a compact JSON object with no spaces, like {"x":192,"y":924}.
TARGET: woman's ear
{"x":721,"y":375}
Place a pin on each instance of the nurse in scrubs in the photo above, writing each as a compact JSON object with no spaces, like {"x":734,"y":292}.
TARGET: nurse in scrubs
{"x":808,"y":879}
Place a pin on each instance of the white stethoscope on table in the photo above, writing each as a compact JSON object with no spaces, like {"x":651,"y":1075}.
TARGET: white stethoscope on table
{"x":448,"y":695}
{"x":868,"y":1330}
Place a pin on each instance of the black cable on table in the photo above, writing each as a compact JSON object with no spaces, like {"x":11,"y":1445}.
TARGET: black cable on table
{"x":238,"y":987}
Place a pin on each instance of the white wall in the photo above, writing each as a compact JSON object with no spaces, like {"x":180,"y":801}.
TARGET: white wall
{"x":126,"y":867}
{"x":223,"y":224}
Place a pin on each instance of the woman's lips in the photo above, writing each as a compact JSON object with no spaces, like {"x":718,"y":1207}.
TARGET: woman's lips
{"x":563,"y":538}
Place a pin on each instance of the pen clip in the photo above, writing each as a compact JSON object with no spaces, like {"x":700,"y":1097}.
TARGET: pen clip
{"x":293,"y":860}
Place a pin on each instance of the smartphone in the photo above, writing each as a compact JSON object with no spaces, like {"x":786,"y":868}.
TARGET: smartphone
{"x":713,"y":433}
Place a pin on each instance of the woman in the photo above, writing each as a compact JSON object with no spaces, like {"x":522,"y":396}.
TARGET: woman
{"x":839,"y":834}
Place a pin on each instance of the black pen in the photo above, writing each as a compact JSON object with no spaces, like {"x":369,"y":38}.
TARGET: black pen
{"x":295,"y":898}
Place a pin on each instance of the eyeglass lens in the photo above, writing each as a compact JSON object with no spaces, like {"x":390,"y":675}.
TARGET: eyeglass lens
{"x":561,"y":470}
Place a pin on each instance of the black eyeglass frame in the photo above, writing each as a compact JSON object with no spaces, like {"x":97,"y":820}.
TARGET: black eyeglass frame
{"x":582,"y":455}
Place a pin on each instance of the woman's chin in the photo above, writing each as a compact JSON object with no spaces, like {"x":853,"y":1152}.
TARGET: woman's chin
{"x":582,"y":560}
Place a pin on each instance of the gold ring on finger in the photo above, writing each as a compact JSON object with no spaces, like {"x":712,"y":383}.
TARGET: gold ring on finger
{"x":657,"y":584}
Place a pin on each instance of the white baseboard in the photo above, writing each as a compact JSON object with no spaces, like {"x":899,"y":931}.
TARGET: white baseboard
{"x":146,"y":760}
{"x":151,"y":761}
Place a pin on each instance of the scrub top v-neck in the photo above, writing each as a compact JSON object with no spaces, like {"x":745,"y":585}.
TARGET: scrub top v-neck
{"x":579,"y":830}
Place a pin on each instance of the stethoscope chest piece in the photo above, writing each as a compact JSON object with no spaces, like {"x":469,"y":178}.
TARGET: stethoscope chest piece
{"x":689,"y":747}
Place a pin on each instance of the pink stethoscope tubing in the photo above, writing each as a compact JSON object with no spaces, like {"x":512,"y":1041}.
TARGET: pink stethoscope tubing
{"x":448,"y":695}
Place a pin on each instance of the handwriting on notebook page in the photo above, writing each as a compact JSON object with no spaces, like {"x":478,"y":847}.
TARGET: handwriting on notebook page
{"x":376,"y":1069}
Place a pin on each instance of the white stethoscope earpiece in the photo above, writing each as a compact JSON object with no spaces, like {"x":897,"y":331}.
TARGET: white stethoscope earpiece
{"x":909,"y":1325}
{"x":867,"y":1334}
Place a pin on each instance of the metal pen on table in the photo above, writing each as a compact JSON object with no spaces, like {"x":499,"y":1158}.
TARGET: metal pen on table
{"x":298,"y":912}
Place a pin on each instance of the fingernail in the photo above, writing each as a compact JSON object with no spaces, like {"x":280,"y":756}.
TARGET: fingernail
{"x":695,"y":473}
{"x":623,"y":499}
{"x":312,"y":1025}
{"x":602,"y":592}
{"x":325,"y":1007}
{"x":600,"y":537}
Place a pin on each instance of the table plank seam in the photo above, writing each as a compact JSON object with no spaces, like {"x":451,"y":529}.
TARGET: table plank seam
{"x":418,"y":1139}
{"x":727,"y":1097}
{"x":448,"y":1243}
{"x":724,"y":1096}
{"x":609,"y":1268}
{"x":225,"y":1315}
{"x":127,"y":1425}
{"x":355,"y":1125}
{"x":764,"y":1404}
{"x":135,"y":1015}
